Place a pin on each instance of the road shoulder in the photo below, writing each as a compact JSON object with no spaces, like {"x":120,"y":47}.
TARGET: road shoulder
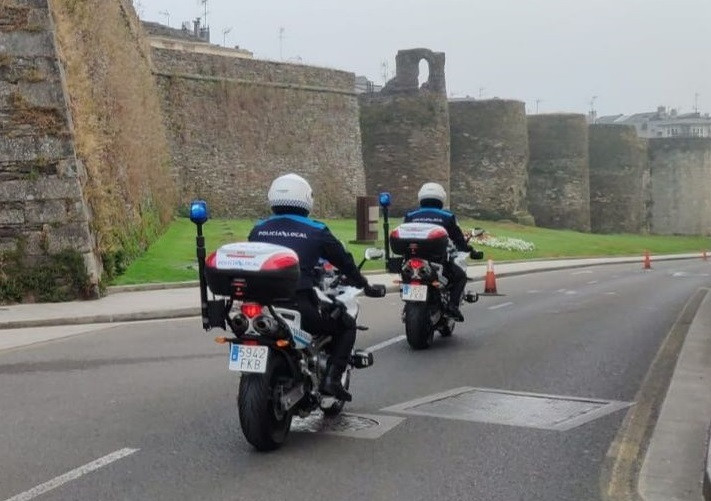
{"x":646,"y":426}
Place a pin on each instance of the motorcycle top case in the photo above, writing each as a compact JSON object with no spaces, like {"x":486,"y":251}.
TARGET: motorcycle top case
{"x":427,"y":241}
{"x":266,"y":272}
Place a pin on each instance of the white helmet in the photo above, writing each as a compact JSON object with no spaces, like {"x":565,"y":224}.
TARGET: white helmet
{"x":432,"y":190}
{"x":291,"y":190}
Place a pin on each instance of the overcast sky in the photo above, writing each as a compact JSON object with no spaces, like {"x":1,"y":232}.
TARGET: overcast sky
{"x":632,"y":54}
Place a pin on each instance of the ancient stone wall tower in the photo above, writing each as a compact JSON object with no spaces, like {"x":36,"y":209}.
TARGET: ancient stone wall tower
{"x":558,"y":184}
{"x":619,"y":178}
{"x":680,"y":174}
{"x":405,"y":131}
{"x":489,"y":158}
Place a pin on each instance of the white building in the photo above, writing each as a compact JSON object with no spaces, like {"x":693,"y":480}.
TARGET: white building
{"x":664,"y":124}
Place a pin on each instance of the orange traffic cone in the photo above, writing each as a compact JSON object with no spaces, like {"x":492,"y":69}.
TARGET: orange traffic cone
{"x":490,"y":281}
{"x":647,"y":263}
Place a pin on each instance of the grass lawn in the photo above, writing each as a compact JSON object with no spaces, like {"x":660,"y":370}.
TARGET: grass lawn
{"x":172,"y":257}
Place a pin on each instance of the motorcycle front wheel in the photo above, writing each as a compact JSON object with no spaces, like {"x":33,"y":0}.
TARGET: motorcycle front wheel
{"x":418,"y":325}
{"x":263,"y":423}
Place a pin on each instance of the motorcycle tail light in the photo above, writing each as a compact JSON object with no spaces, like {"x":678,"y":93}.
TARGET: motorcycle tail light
{"x":251,"y":310}
{"x":416,"y":264}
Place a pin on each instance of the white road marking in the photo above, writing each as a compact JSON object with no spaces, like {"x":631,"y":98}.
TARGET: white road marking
{"x":534,"y":291}
{"x":502,"y":305}
{"x":73,"y":475}
{"x":561,"y":290}
{"x":570,"y":293}
{"x":385,"y":344}
{"x":592,"y":282}
{"x":611,"y":293}
{"x":584,"y":272}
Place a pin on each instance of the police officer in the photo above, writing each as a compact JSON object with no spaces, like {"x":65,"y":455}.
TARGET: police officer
{"x":291,"y":200}
{"x":432,"y":197}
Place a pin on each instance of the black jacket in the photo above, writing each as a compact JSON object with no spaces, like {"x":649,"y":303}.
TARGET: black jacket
{"x":311,"y":240}
{"x":443,"y":218}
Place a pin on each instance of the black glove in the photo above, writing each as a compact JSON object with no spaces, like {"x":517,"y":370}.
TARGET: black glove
{"x":374,"y":290}
{"x":476,"y":254}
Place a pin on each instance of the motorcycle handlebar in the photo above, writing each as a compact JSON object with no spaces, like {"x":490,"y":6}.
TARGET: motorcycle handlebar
{"x":376,"y":290}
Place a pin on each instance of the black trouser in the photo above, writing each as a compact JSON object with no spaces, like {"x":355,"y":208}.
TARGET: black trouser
{"x":342,"y":330}
{"x":457,"y":282}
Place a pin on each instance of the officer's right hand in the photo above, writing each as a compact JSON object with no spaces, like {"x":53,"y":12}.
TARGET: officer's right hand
{"x":476,"y":255}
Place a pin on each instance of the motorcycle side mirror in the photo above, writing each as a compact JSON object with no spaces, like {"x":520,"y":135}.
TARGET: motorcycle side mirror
{"x":199,"y":213}
{"x":477,"y":232}
{"x":372,"y":254}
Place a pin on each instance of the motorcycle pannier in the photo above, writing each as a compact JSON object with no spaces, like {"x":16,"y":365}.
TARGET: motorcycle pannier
{"x":261,"y":272}
{"x":427,"y":241}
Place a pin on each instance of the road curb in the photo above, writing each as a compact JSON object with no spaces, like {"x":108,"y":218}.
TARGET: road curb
{"x":166,"y":314}
{"x":104,"y":319}
{"x":118,"y":289}
{"x":621,"y":467}
{"x":707,"y":471}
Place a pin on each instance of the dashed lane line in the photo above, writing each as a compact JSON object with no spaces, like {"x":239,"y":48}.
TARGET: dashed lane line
{"x":502,"y":305}
{"x":385,"y":344}
{"x":73,"y":475}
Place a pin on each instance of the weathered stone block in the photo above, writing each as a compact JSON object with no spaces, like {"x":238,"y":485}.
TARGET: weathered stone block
{"x":50,"y":211}
{"x":11,"y":191}
{"x":27,"y":44}
{"x":74,"y":236}
{"x":27,"y":148}
{"x":52,"y":188}
{"x":12,"y":216}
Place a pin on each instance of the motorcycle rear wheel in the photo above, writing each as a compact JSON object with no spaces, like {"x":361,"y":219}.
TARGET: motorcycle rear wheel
{"x":264,"y":425}
{"x":418,"y":325}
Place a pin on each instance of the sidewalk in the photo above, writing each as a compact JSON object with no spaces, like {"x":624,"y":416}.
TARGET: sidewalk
{"x":673,"y":469}
{"x":164,"y":302}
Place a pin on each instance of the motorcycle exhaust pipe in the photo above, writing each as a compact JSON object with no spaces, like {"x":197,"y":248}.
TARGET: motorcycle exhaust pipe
{"x":266,"y":325}
{"x":240,"y":324}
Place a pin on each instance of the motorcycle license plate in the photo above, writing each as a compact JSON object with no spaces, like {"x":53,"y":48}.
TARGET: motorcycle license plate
{"x":248,"y":358}
{"x":414,"y":292}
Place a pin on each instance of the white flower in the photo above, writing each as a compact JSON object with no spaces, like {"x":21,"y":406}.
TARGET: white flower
{"x":506,"y":243}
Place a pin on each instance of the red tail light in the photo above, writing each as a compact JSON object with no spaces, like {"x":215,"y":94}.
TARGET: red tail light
{"x":251,"y":310}
{"x":279,"y":262}
{"x":416,"y":264}
{"x":211,"y":260}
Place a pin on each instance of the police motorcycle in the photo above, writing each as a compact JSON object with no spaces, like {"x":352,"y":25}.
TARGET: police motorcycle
{"x":424,"y":248}
{"x":281,"y":365}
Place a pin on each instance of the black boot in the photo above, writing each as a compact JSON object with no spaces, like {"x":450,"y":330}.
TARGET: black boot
{"x":454,"y":312}
{"x":332,"y":385}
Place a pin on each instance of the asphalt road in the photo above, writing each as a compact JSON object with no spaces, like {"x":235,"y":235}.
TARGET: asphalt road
{"x":157,"y":399}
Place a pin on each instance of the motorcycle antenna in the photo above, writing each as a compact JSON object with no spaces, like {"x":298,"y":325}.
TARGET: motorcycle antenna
{"x":385,"y":200}
{"x":199,"y":216}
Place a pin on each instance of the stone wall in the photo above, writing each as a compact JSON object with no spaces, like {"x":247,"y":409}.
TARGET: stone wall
{"x":489,"y":141}
{"x":619,"y":174}
{"x":235,"y":124}
{"x":84,"y":166}
{"x":406,"y":131}
{"x":558,"y":184}
{"x":680,"y":172}
{"x":42,"y":200}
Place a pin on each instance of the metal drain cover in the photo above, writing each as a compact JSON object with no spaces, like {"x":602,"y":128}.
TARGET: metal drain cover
{"x":531,"y":410}
{"x":346,"y":425}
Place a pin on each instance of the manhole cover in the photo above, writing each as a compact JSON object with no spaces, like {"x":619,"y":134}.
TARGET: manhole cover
{"x":531,"y":410}
{"x":346,"y":425}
